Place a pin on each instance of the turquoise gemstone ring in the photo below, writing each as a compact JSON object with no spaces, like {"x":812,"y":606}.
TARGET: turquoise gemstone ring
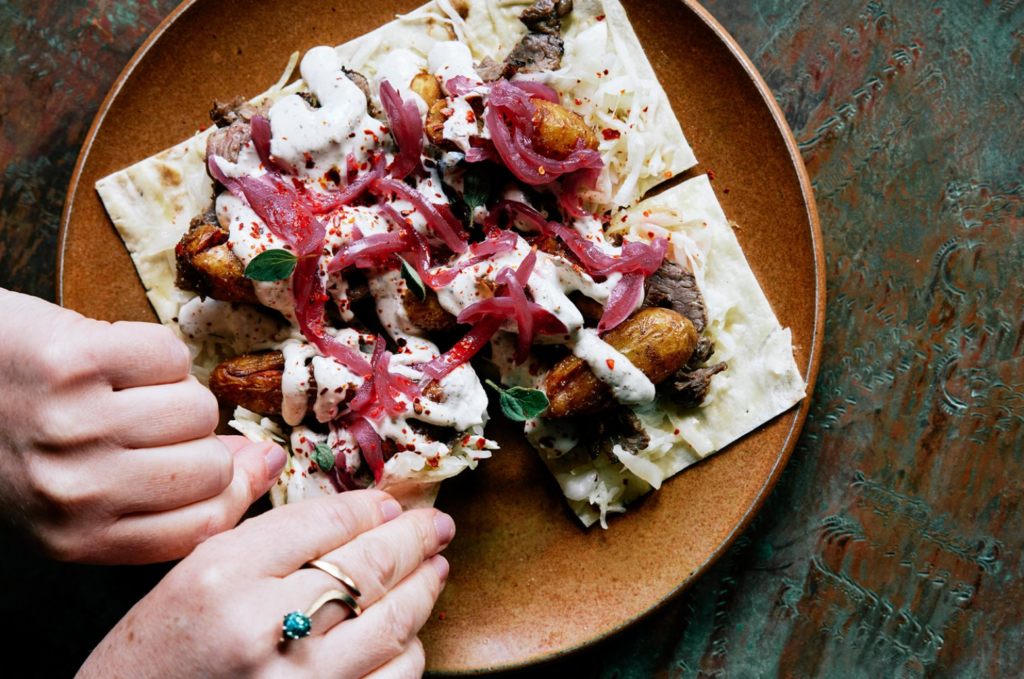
{"x":298,"y":625}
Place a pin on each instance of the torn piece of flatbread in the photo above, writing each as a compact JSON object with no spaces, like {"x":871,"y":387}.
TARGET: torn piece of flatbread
{"x":762,"y":380}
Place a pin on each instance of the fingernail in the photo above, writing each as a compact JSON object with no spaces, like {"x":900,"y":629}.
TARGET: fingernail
{"x":441,"y":565}
{"x":390,"y":509}
{"x":445,"y":527}
{"x":276,"y":458}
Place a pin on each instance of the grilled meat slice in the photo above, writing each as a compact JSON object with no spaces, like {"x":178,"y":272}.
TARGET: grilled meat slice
{"x":235,"y":131}
{"x":689,"y":387}
{"x":620,"y":427}
{"x":672,"y":287}
{"x":536,"y":52}
{"x":544,"y":16}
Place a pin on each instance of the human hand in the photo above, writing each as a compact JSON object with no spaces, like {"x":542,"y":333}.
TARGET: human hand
{"x":219,"y":612}
{"x":107,"y":452}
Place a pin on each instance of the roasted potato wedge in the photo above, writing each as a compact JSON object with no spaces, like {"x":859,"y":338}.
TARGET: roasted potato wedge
{"x":657,"y":341}
{"x":556,"y":130}
{"x":433,"y":125}
{"x":427,"y":87}
{"x":428,"y":314}
{"x":252,"y":381}
{"x":208,"y":267}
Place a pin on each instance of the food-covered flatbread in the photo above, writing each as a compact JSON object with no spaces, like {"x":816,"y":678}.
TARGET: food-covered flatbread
{"x":455,"y":195}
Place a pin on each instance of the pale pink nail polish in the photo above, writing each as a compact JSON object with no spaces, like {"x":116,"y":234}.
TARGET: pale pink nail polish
{"x":390,"y":509}
{"x":276,"y":458}
{"x":445,"y":527}
{"x":441,"y":566}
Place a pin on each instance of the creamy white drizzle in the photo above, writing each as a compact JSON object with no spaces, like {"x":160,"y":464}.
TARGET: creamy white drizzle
{"x":313,"y":142}
{"x":627,"y":382}
{"x":242,"y":327}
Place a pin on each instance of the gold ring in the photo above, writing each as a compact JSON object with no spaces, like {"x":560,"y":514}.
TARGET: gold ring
{"x":335,"y":572}
{"x":298,"y":625}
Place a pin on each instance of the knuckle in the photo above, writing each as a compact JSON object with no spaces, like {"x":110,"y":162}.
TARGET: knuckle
{"x":211,"y":523}
{"x":398,"y":625}
{"x":382,"y":560}
{"x":62,"y":493}
{"x":417,"y":659}
{"x":199,"y":406}
{"x":60,"y":361}
{"x":60,"y":544}
{"x":340,"y":512}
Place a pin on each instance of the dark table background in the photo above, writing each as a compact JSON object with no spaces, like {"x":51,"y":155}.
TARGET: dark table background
{"x":892,"y":546}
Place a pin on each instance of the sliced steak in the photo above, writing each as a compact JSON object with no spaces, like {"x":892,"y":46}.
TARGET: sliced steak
{"x":620,"y":426}
{"x":702,"y":352}
{"x":536,"y":52}
{"x":689,"y":387}
{"x":228,"y":142}
{"x":672,"y":287}
{"x":544,"y":16}
{"x":232,"y":118}
{"x":489,"y":70}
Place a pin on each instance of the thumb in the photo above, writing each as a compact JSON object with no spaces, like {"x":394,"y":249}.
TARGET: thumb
{"x":257,"y":465}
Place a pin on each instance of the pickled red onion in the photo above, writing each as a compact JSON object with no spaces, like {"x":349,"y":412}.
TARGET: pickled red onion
{"x":406,"y":128}
{"x":439,"y":217}
{"x":370,"y":443}
{"x":261,"y":134}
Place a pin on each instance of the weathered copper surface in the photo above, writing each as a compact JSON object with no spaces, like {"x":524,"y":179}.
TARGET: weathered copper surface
{"x":892,"y":545}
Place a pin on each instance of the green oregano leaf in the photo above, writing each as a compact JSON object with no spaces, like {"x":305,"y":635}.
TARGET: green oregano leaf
{"x":413,"y":280}
{"x":271,"y":265}
{"x":519,"y":403}
{"x":475,"y":191}
{"x":323,"y":457}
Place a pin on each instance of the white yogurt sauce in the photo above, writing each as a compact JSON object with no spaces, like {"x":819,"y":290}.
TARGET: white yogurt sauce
{"x":312,"y":142}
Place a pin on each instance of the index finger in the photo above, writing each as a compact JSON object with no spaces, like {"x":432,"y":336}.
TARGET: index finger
{"x":131,"y":354}
{"x":282,"y":540}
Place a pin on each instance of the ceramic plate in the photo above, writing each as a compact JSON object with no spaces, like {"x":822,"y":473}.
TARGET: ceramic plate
{"x":527,"y":582}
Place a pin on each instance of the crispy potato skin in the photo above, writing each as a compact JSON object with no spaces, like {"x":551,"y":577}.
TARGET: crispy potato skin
{"x":433,"y":125}
{"x":556,"y":130}
{"x":657,"y":341}
{"x":427,"y":87}
{"x":252,"y":381}
{"x":428,"y":314}
{"x":207,"y":266}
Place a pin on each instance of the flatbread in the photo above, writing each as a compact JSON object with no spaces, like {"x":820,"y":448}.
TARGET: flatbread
{"x":761,"y":382}
{"x":152,"y":202}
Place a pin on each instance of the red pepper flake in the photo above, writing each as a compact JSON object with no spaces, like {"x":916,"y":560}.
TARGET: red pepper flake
{"x":611,"y":363}
{"x":434,"y":461}
{"x":466,"y":440}
{"x":470,"y":117}
{"x":725,"y":190}
{"x":668,"y":174}
{"x":711,"y":175}
{"x":677,"y":432}
{"x":480,"y":443}
{"x":600,"y":17}
{"x":610,"y":134}
{"x":606,"y":71}
{"x":578,"y":102}
{"x":441,"y":616}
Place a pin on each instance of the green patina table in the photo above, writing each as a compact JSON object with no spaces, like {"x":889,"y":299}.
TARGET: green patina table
{"x":893,"y":545}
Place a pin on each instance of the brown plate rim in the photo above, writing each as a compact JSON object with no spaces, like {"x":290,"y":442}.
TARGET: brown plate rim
{"x":810,"y":375}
